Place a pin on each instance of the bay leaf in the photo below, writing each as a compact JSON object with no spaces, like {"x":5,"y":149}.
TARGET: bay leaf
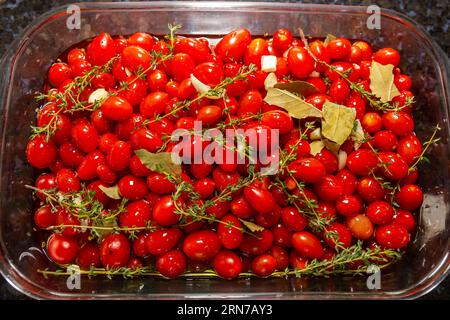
{"x":161,"y":162}
{"x":302,"y":88}
{"x":328,"y":38}
{"x":316,"y":147}
{"x":331,"y":146}
{"x":337,"y":122}
{"x":294,"y":105}
{"x":358,"y":135}
{"x":111,"y":192}
{"x":382,"y":81}
{"x":253,"y":227}
{"x":270,"y":81}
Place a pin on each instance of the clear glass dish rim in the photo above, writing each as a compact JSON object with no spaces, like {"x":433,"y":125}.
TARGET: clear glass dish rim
{"x":17,"y":280}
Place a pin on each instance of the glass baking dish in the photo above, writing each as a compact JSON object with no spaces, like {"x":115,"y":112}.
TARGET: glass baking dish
{"x":23,"y":68}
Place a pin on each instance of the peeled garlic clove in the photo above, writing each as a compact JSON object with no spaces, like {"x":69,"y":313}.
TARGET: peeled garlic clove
{"x":269,"y":63}
{"x":342,"y":159}
{"x":99,"y":94}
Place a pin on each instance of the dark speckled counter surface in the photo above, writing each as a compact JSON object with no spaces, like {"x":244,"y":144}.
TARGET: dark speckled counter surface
{"x":433,"y":15}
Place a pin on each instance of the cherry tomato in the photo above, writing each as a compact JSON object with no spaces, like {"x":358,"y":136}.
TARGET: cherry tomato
{"x":136,"y":59}
{"x":62,"y":249}
{"x":399,"y":122}
{"x":67,"y":181}
{"x":44,"y":217}
{"x":233,"y":45}
{"x":339,"y":49}
{"x":136,"y":214}
{"x":84,"y":136}
{"x":362,"y":161}
{"x":349,"y":205}
{"x":370,"y":189}
{"x":348,"y":180}
{"x":230,"y":233}
{"x":392,"y":236}
{"x":154,"y":104}
{"x":360,"y":226}
{"x":164,"y":212}
{"x":101,"y":49}
{"x":307,"y":244}
{"x":380,"y":212}
{"x":300,"y":62}
{"x":293,"y":219}
{"x":282,"y":40}
{"x":119,"y":156}
{"x":409,"y":148}
{"x":277,"y":119}
{"x":255,"y":50}
{"x":171,"y":264}
{"x":162,"y":241}
{"x":329,"y":188}
{"x":409,"y":197}
{"x":40,"y":153}
{"x":132,"y":188}
{"x":261,"y":200}
{"x":143,"y":40}
{"x":387,"y":56}
{"x":89,"y":256}
{"x":264,"y":265}
{"x":227,"y":264}
{"x":394,"y":167}
{"x":59,"y":73}
{"x":193,"y":47}
{"x":257,"y":245}
{"x":337,"y":236}
{"x":70,"y":155}
{"x":201,"y":245}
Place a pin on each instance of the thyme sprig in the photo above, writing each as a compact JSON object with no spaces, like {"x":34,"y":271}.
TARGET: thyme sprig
{"x":339,"y":264}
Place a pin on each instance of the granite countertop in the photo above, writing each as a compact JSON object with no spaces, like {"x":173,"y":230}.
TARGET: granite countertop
{"x":433,"y":15}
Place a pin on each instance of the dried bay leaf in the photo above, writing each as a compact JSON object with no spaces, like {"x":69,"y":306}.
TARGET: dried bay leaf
{"x":161,"y":162}
{"x":382,"y":81}
{"x":111,"y":192}
{"x":337,"y":122}
{"x":358,"y":135}
{"x":270,"y":81}
{"x":316,"y":147}
{"x":302,"y":88}
{"x":252,"y":226}
{"x":331,"y":146}
{"x":294,"y":105}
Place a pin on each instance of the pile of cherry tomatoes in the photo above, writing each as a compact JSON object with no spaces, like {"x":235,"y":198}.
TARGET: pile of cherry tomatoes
{"x":92,"y":148}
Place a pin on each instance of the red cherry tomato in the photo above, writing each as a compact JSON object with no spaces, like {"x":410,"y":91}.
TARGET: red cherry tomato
{"x":392,"y":236}
{"x":307,"y":244}
{"x":101,"y":49}
{"x":201,"y":245}
{"x":62,"y":249}
{"x":300,"y":62}
{"x":171,"y":264}
{"x":227,"y":264}
{"x":230,"y":233}
{"x":232,"y":46}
